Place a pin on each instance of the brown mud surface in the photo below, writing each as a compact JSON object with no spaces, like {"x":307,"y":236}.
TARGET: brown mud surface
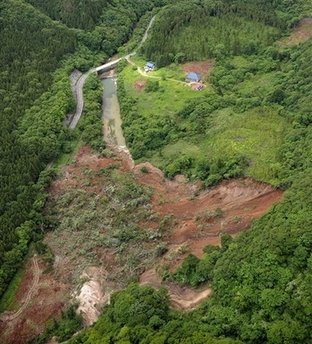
{"x":301,"y":33}
{"x":204,"y":68}
{"x":194,"y":225}
{"x":140,"y":85}
{"x":238,"y":201}
{"x":47,"y":301}
{"x":182,"y":298}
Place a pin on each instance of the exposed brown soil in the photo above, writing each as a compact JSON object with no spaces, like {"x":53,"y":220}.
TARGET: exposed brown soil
{"x":48,"y":298}
{"x":301,"y":34}
{"x":182,"y":298}
{"x":241,"y":201}
{"x":204,"y":68}
{"x":140,"y":85}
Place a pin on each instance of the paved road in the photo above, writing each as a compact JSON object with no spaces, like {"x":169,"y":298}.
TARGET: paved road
{"x":83,"y":78}
{"x":79,"y":98}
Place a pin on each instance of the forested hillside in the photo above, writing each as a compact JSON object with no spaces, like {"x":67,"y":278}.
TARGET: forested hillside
{"x":88,"y":13}
{"x":73,"y":13}
{"x":192,"y":30}
{"x":37,"y":55}
{"x":26,"y":71}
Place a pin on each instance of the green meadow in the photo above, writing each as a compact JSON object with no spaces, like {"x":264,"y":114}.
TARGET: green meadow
{"x":223,"y":133}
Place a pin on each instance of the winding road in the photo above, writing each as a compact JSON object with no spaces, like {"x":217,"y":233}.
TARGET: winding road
{"x":81,"y":81}
{"x":79,"y":98}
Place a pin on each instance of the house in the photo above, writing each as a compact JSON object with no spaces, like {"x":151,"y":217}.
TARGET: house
{"x":150,"y":66}
{"x":193,"y":77}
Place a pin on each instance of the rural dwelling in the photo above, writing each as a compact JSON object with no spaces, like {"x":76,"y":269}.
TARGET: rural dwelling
{"x":150,"y":66}
{"x":193,"y":77}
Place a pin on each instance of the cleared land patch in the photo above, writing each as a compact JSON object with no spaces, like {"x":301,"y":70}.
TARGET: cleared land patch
{"x":179,"y":130}
{"x":204,"y":68}
{"x":301,"y":34}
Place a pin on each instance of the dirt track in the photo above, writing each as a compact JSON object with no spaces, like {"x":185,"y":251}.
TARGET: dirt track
{"x":7,"y":317}
{"x":41,"y":297}
{"x":182,"y":298}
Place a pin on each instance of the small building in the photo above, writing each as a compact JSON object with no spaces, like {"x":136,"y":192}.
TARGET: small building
{"x":150,"y":66}
{"x":193,"y":77}
{"x":200,"y":87}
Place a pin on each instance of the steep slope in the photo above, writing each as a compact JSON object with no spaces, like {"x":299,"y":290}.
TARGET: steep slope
{"x":36,"y":97}
{"x":73,"y":13}
{"x":26,"y":72}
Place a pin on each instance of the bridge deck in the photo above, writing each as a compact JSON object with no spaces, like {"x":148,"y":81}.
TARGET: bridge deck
{"x":108,"y":65}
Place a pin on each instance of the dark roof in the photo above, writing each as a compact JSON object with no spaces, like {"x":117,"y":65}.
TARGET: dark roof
{"x":193,"y":76}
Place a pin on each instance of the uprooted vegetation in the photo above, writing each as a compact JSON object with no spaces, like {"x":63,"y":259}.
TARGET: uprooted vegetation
{"x":98,"y":213}
{"x":124,"y":222}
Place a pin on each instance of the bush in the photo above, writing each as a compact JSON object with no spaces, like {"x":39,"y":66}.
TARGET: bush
{"x":152,"y":86}
{"x":144,"y":169}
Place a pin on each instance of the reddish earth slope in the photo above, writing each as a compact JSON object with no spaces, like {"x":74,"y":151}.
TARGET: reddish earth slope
{"x":197,"y":219}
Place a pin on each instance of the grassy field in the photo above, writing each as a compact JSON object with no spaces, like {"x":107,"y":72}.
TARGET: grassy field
{"x":255,"y":134}
{"x":171,"y":96}
{"x":173,"y":71}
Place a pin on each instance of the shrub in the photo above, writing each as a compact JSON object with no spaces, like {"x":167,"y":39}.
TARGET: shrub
{"x":144,"y":169}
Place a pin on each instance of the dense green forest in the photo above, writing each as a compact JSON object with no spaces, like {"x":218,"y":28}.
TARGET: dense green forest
{"x":37,"y":55}
{"x":90,"y":13}
{"x":195,"y":30}
{"x":73,"y":13}
{"x":26,"y":72}
{"x":142,"y":315}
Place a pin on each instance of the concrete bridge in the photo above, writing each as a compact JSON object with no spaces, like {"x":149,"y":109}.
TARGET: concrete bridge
{"x":100,"y":69}
{"x":107,"y":66}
